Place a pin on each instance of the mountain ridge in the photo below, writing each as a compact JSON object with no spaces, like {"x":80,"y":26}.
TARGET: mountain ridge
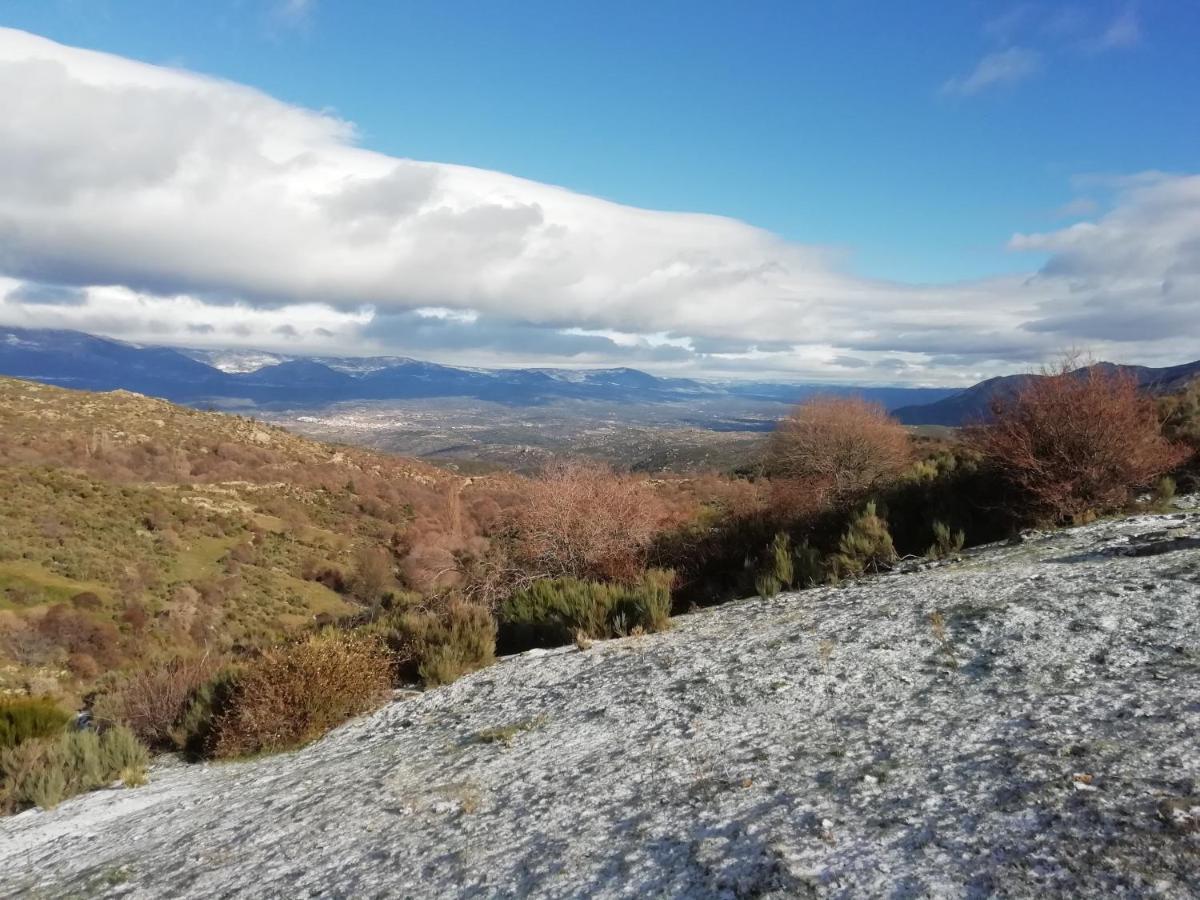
{"x":973,"y":404}
{"x":230,"y":379}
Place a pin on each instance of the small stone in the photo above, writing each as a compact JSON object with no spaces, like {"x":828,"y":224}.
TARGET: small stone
{"x":1083,"y":781}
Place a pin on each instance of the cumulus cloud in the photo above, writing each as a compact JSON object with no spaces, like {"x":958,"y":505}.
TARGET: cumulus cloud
{"x":994,"y":70}
{"x":185,"y":209}
{"x":1131,"y":276}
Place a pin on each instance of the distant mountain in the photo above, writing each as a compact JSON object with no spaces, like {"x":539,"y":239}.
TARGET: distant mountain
{"x":888,"y":397}
{"x":75,"y":359}
{"x":974,"y":404}
{"x":232,"y":378}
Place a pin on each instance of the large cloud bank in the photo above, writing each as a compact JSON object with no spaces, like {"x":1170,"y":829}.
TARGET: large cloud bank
{"x":157,"y":204}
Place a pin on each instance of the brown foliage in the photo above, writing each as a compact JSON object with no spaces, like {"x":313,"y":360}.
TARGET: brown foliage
{"x":77,"y":632}
{"x":1073,"y":443}
{"x":86,"y":600}
{"x":292,"y":695}
{"x":586,"y":521}
{"x":152,"y":701}
{"x":373,"y":574}
{"x":838,"y":446}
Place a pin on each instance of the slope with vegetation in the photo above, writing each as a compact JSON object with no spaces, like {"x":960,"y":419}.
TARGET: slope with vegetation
{"x":135,"y":528}
{"x":225,"y":589}
{"x":1018,"y":723}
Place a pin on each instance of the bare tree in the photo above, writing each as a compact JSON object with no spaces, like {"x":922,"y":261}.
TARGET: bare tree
{"x":842,"y":446}
{"x":1077,"y":442}
{"x":584,"y":520}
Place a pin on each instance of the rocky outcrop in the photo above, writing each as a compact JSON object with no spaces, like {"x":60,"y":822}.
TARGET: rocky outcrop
{"x":1024,"y":721}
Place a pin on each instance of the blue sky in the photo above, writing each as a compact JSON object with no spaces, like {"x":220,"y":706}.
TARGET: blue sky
{"x":906,"y":142}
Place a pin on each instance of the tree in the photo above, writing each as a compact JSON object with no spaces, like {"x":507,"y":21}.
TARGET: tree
{"x":373,"y":574}
{"x":843,"y":446}
{"x":1073,"y":443}
{"x":586,"y":521}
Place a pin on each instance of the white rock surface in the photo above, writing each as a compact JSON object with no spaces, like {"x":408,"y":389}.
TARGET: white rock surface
{"x":826,"y":743}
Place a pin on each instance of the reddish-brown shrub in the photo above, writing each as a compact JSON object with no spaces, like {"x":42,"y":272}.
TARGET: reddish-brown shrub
{"x":842,"y":446}
{"x":586,"y":521}
{"x":83,"y":666}
{"x":292,"y":695}
{"x":77,"y":632}
{"x":152,"y":701}
{"x":1072,"y":443}
{"x":87,"y":600}
{"x":135,"y":615}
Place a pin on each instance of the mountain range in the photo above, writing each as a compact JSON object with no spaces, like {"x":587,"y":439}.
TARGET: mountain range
{"x":237,"y":378}
{"x":231,"y":378}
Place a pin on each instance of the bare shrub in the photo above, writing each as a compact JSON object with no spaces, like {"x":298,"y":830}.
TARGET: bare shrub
{"x":583,"y":520}
{"x":86,"y":600}
{"x":152,"y":701}
{"x":373,"y":574}
{"x":843,"y":445}
{"x":77,"y":632}
{"x":292,"y":695}
{"x":1074,"y":443}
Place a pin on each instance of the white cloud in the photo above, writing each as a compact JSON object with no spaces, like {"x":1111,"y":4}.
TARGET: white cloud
{"x":192,"y":210}
{"x":181,"y":319}
{"x":1124,"y":31}
{"x":994,"y":70}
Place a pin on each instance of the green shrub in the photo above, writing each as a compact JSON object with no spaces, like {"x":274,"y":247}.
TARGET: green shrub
{"x":292,"y":695}
{"x":945,"y":542}
{"x":866,"y":545}
{"x":808,"y":565}
{"x":777,"y":569}
{"x":440,"y":648}
{"x":25,"y":718}
{"x":45,"y":771}
{"x":195,"y":729}
{"x":766,"y":584}
{"x":552,"y":611}
{"x":1164,"y":491}
{"x":123,"y":754}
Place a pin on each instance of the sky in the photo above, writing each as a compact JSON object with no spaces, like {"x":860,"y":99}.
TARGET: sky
{"x":861,"y":192}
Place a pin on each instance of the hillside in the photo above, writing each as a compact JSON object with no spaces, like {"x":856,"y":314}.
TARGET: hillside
{"x":133,"y":527}
{"x":1022,"y":722}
